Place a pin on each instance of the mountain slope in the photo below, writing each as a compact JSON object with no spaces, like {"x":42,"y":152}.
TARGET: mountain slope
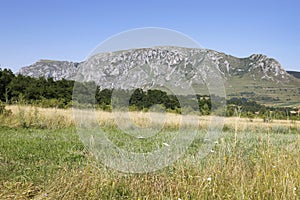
{"x":51,"y":69}
{"x":256,"y":77}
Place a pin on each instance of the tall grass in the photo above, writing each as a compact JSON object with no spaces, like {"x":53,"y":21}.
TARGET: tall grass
{"x":41,"y":157}
{"x":53,"y":118}
{"x":30,"y":116}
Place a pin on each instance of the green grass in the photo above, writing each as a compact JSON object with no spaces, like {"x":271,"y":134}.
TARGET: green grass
{"x":33,"y":156}
{"x":53,"y":164}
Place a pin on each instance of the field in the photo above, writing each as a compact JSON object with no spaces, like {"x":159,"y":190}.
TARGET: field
{"x":42,"y":157}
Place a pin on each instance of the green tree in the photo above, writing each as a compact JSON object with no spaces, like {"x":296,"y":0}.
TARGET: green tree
{"x":6,"y":76}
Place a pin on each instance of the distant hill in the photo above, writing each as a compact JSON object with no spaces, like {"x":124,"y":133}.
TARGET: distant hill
{"x":294,"y":73}
{"x":256,"y":77}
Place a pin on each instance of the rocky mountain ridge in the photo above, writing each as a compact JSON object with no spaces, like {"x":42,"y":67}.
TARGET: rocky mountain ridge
{"x":256,"y":77}
{"x":257,"y":65}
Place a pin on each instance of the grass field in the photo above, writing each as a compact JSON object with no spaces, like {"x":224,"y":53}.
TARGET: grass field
{"x":41,"y":157}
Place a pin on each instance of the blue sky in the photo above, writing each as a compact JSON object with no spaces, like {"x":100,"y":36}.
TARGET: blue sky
{"x":70,"y":29}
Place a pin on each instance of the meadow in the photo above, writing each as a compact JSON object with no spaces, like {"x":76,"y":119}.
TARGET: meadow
{"x":42,"y":157}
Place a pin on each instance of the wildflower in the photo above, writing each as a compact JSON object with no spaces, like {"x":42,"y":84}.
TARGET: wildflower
{"x":209,"y":179}
{"x":166,"y":144}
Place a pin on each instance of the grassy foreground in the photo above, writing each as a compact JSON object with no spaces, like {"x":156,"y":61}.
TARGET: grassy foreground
{"x":41,"y":157}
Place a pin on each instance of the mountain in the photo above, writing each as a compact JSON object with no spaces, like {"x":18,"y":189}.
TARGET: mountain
{"x":256,"y":77}
{"x":51,"y":69}
{"x":294,"y":73}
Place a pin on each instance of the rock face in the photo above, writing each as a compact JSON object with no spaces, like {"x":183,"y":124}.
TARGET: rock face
{"x":51,"y":69}
{"x":256,"y":77}
{"x":269,"y":67}
{"x":165,"y":61}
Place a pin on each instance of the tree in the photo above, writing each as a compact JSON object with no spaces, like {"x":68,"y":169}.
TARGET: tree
{"x":205,"y":110}
{"x":137,"y":99}
{"x":6,"y":76}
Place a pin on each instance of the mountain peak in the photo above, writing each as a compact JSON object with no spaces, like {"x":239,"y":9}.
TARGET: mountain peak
{"x":269,"y":67}
{"x":258,"y":56}
{"x":258,"y":66}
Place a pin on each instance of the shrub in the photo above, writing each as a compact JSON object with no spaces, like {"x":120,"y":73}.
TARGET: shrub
{"x":4,"y":112}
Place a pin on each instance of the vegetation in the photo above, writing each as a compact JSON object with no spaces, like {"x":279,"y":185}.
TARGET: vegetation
{"x":42,"y":157}
{"x":251,"y":160}
{"x":49,"y":93}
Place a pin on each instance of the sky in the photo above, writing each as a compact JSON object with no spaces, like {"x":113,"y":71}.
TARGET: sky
{"x":71,"y":29}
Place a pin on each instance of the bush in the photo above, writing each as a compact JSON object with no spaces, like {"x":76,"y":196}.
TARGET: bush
{"x":4,"y":112}
{"x":50,"y":103}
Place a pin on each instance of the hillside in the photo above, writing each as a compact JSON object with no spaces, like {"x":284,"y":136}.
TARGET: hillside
{"x":256,"y":77}
{"x":294,"y":73}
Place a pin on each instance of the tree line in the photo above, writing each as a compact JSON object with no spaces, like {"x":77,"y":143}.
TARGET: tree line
{"x":46,"y":92}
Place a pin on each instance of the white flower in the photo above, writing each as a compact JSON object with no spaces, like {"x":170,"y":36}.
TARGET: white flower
{"x":209,"y":179}
{"x":166,"y":144}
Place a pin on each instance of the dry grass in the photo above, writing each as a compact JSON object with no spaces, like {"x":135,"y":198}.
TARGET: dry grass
{"x":58,"y":118}
{"x":252,"y":160}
